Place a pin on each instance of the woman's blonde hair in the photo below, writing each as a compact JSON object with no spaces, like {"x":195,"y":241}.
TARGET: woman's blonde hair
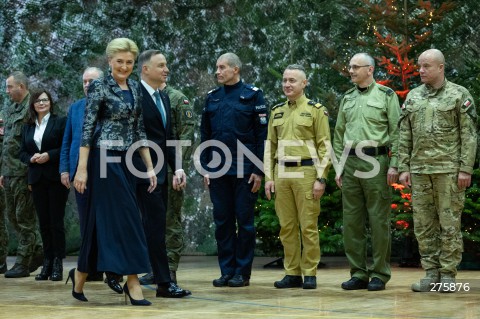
{"x":121,"y":45}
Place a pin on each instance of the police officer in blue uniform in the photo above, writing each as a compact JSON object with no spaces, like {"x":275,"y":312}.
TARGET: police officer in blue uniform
{"x":234,"y":124}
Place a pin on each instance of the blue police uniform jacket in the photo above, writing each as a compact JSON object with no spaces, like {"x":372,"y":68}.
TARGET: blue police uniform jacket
{"x":231,"y":113}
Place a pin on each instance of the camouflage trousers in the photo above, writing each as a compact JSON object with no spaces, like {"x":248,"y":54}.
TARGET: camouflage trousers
{"x":22,"y":217}
{"x":3,"y":229}
{"x":174,"y":229}
{"x":437,"y":208}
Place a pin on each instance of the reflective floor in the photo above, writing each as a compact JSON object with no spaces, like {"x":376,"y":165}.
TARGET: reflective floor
{"x":26,"y":298}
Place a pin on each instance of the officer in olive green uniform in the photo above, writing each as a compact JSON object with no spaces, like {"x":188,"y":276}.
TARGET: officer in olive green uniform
{"x":3,"y":224}
{"x":368,"y":116}
{"x":18,"y":200}
{"x":304,"y":123}
{"x":438,"y":141}
{"x":182,"y":129}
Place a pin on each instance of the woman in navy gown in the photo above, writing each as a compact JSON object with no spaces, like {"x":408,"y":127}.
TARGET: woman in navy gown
{"x":114,"y":240}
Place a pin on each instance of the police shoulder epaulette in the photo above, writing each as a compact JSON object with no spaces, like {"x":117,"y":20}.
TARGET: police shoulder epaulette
{"x":386,"y":89}
{"x":213,"y":90}
{"x":251,"y":87}
{"x":316,"y":104}
{"x":278,"y":105}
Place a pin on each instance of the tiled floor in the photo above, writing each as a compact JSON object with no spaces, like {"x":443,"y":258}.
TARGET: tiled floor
{"x":26,"y":298}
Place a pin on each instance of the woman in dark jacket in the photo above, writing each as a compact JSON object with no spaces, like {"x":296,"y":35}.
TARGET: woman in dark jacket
{"x":41,"y":142}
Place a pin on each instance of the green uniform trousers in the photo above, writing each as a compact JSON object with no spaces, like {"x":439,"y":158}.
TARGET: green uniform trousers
{"x":366,"y":202}
{"x":298,"y":213}
{"x":21,"y":214}
{"x":174,"y":229}
{"x":437,"y":209}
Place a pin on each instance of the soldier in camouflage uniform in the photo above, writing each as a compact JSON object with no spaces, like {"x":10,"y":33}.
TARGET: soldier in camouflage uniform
{"x":182,"y":129}
{"x":368,"y":112}
{"x":437,"y":146}
{"x":3,"y":224}
{"x":13,"y":179}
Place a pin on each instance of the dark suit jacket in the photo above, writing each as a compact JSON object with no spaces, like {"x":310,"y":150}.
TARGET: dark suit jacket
{"x":51,"y":143}
{"x":158,"y":134}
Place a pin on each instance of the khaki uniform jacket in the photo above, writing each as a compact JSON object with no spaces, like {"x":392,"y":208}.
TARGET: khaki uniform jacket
{"x":302,"y":120}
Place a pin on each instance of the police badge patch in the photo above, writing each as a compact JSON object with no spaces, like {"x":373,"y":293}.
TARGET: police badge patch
{"x":188,"y":114}
{"x":263,"y":118}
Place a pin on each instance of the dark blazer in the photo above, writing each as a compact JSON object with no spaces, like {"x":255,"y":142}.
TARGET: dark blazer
{"x":51,"y":143}
{"x":156,"y":133}
{"x":117,"y":120}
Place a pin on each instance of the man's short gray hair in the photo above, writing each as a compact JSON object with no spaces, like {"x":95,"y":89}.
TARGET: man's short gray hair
{"x":20,"y":78}
{"x":232,"y":60}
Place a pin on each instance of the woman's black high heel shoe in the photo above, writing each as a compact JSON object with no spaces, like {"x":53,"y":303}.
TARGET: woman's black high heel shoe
{"x":134,"y":302}
{"x":77,"y":295}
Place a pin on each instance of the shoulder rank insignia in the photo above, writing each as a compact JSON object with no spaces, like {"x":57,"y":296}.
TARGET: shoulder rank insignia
{"x":251,"y":87}
{"x":213,"y":90}
{"x":350,"y":90}
{"x":316,"y":104}
{"x":278,"y":105}
{"x":386,"y":89}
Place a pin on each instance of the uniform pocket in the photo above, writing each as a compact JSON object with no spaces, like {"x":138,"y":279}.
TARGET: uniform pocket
{"x":244,"y":118}
{"x":304,"y":127}
{"x":445,"y":118}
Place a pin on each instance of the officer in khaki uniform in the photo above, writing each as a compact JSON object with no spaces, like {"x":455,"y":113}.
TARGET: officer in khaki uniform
{"x":296,"y":166}
{"x":3,"y":224}
{"x":367,"y":123}
{"x":182,"y":129}
{"x":13,"y":179}
{"x":438,"y":141}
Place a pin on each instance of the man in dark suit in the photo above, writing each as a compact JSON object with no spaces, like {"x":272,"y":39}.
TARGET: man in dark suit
{"x":156,"y":117}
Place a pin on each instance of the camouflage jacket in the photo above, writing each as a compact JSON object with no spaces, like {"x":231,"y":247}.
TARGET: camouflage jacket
{"x":182,"y":118}
{"x":438,"y":130}
{"x":14,"y":117}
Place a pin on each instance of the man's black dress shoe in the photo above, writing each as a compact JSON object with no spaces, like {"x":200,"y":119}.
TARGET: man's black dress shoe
{"x":376,"y":284}
{"x":309,"y":282}
{"x":171,"y":290}
{"x":146,"y":279}
{"x":289,"y":282}
{"x":354,"y":284}
{"x":17,"y":271}
{"x":239,"y":281}
{"x":222,"y":281}
{"x":113,"y":282}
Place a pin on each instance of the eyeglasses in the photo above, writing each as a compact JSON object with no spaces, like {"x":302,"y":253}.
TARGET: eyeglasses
{"x":356,"y":67}
{"x":42,"y":101}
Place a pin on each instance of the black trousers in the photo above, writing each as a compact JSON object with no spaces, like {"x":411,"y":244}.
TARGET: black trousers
{"x":153,"y":207}
{"x":50,"y":199}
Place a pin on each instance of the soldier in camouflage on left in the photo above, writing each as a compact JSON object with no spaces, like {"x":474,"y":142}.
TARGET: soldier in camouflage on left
{"x":13,"y":180}
{"x":3,"y":224}
{"x":437,"y":144}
